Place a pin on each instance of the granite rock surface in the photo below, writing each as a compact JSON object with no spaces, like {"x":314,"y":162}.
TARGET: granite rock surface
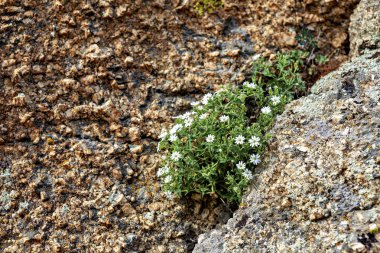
{"x":85,"y":89}
{"x":365,"y":27}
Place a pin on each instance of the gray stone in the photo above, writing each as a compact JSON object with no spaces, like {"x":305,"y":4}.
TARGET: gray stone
{"x":365,"y":27}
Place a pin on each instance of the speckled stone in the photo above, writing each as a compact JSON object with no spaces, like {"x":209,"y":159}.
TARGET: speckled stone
{"x":85,"y":89}
{"x":365,"y":27}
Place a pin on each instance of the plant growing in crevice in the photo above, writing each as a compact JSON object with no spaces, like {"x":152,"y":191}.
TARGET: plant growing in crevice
{"x":306,"y":40}
{"x":314,"y":57}
{"x":213,"y":150}
{"x":321,"y":59}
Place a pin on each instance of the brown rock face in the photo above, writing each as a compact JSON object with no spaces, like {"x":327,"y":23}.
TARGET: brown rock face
{"x":85,"y":88}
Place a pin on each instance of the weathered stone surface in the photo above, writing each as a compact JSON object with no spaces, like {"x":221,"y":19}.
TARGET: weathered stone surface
{"x":365,"y":27}
{"x":85,"y":89}
{"x":319,"y":190}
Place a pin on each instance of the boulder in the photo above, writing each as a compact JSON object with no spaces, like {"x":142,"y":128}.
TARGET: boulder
{"x":365,"y":27}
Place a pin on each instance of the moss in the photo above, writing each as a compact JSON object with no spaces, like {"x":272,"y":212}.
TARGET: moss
{"x":203,"y":6}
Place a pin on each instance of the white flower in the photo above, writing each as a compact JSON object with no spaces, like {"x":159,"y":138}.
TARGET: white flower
{"x":254,"y":141}
{"x":275,"y":100}
{"x":203,"y":116}
{"x":255,"y":159}
{"x":188,"y":122}
{"x":162,"y":171}
{"x":239,"y":140}
{"x":195,"y":103}
{"x":240,"y":165}
{"x":206,"y":98}
{"x":373,"y":228}
{"x":173,"y":137}
{"x":185,"y":115}
{"x":175,"y":156}
{"x":248,"y":174}
{"x":163,"y":135}
{"x":266,"y":110}
{"x":176,"y":128}
{"x":250,"y":85}
{"x":256,"y":57}
{"x":224,"y":118}
{"x":168,"y":179}
{"x":169,"y":194}
{"x":158,"y":147}
{"x":210,"y":138}
{"x":200,"y":108}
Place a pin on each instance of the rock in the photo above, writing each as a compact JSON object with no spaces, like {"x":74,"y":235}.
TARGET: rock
{"x":43,"y":196}
{"x":358,"y":247}
{"x":339,"y":39}
{"x":285,"y":39}
{"x":205,"y":214}
{"x":128,"y":209}
{"x":95,"y":52}
{"x":136,"y":149}
{"x":19,"y":100}
{"x":134,"y":134}
{"x":334,"y":183}
{"x":131,"y":238}
{"x":128,"y":59}
{"x":95,"y":77}
{"x":286,"y":202}
{"x":156,"y":206}
{"x":116,"y":173}
{"x":365,"y":27}
{"x":130,"y":172}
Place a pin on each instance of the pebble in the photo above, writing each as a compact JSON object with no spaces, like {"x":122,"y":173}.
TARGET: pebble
{"x":358,"y":247}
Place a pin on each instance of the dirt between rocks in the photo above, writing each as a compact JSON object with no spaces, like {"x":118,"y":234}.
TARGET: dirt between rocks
{"x":85,"y":89}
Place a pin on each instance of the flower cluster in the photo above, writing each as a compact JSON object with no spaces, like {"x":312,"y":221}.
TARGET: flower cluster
{"x":215,"y":148}
{"x":203,"y":145}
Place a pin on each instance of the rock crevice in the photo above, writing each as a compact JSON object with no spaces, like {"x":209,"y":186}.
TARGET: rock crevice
{"x":318,"y":189}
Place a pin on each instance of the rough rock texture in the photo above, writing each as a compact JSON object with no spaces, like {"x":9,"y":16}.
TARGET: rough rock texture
{"x":320,"y":186}
{"x":273,"y":23}
{"x":365,"y":27}
{"x":85,"y":88}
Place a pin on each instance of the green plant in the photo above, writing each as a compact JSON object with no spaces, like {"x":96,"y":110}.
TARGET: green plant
{"x":321,"y":59}
{"x":284,"y":72}
{"x":306,"y":40}
{"x":213,"y":149}
{"x":202,"y":6}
